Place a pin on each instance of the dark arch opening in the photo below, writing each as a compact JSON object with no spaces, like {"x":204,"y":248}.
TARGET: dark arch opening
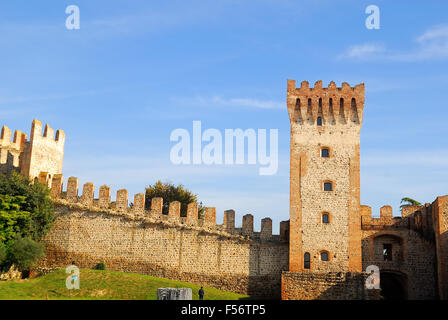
{"x":393,"y":285}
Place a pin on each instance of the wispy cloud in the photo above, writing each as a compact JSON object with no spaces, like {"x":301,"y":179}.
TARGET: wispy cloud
{"x":363,"y":50}
{"x":232,"y":102}
{"x":435,"y":33}
{"x":431,"y":45}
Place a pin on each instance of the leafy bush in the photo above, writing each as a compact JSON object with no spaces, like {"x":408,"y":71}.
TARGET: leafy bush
{"x":12,"y":218}
{"x":171,"y":193}
{"x":3,"y":254}
{"x":101,"y":266}
{"x":24,"y":251}
{"x":28,"y":199}
{"x":26,"y":215}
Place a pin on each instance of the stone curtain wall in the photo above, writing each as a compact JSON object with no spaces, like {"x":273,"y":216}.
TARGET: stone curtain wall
{"x":326,"y":286}
{"x":89,"y":231}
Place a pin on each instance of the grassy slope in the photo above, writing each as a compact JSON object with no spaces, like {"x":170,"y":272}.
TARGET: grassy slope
{"x":103,"y":285}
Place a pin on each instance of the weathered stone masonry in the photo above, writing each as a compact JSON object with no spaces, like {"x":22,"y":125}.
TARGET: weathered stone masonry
{"x":89,"y":231}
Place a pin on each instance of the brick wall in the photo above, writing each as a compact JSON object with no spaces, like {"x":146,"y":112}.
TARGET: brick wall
{"x":440,"y":213}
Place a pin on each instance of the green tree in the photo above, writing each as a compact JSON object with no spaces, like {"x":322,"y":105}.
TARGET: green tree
{"x":36,"y":202}
{"x":171,"y":193}
{"x":3,"y":254}
{"x":409,"y":202}
{"x":26,"y":215}
{"x":12,"y":218}
{"x":24,"y":251}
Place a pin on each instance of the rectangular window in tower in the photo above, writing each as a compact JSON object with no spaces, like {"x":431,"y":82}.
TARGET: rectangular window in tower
{"x":328,"y":186}
{"x":325,"y":153}
{"x":387,"y":252}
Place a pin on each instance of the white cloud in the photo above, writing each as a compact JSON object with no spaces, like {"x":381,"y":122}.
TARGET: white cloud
{"x":363,"y":50}
{"x":435,"y":33}
{"x":232,"y":102}
{"x":431,"y":45}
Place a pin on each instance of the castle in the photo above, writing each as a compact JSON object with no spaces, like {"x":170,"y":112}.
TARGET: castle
{"x":322,"y":252}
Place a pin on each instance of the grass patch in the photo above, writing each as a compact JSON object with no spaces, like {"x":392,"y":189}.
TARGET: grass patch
{"x":101,"y":285}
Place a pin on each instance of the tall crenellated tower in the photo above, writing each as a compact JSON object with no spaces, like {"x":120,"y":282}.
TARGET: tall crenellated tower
{"x":41,"y":157}
{"x":325,"y":233}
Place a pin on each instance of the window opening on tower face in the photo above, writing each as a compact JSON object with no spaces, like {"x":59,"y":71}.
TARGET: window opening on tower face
{"x":324,"y":256}
{"x":307,"y":260}
{"x":328,"y":186}
{"x":325,"y":153}
{"x":387,"y":252}
{"x":319,"y":121}
{"x":325,"y":218}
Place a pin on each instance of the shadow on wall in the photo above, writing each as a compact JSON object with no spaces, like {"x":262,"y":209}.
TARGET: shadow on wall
{"x":326,"y":286}
{"x":7,"y":164}
{"x":350,"y":286}
{"x":266,"y":264}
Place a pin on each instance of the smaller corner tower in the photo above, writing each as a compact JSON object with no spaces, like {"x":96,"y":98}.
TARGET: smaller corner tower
{"x":39,"y":157}
{"x":44,"y":153}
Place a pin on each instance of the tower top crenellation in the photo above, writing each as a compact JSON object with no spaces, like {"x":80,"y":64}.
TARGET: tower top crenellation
{"x":321,"y":106}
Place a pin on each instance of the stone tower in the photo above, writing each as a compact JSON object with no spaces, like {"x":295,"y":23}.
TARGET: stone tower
{"x":39,"y":157}
{"x":325,"y":233}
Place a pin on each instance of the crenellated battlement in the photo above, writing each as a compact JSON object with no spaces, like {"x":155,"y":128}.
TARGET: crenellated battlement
{"x":411,"y":218}
{"x":42,"y":153}
{"x":386,"y":218}
{"x":18,"y":142}
{"x":10,"y":151}
{"x":136,"y":210}
{"x":36,"y":133}
{"x":329,"y":106}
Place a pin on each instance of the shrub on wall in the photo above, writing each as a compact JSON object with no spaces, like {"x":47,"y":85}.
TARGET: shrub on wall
{"x":170,"y":193}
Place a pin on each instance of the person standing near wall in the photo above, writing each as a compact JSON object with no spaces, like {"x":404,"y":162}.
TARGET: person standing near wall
{"x":201,"y":293}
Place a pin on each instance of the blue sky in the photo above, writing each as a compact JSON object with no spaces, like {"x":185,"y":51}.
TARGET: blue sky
{"x":137,"y":70}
